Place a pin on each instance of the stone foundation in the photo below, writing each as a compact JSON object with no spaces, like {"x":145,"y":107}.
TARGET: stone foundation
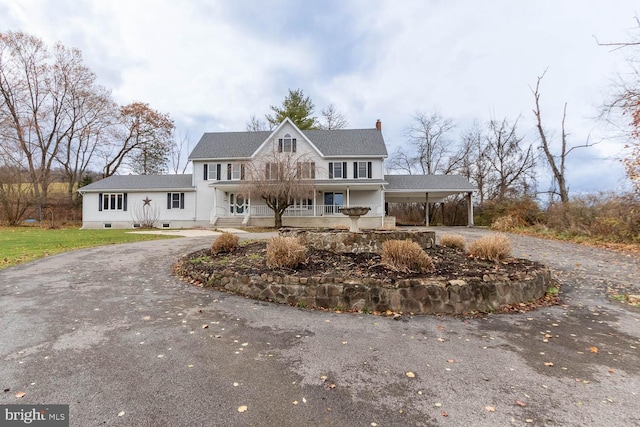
{"x":369,"y":241}
{"x":418,"y":296}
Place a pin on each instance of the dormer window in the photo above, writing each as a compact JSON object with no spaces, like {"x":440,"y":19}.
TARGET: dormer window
{"x":287,"y":144}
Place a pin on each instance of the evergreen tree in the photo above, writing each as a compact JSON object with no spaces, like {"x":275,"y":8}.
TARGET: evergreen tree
{"x":298,"y":108}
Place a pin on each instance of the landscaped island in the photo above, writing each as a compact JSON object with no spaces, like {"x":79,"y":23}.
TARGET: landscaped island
{"x":349,"y":271}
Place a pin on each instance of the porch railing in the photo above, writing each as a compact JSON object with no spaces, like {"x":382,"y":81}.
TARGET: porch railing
{"x":318,"y":210}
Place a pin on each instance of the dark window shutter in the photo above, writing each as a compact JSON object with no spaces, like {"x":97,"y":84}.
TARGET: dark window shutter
{"x":355,"y":169}
{"x":242,"y":171}
{"x":293,"y":145}
{"x":99,"y":201}
{"x":228,"y":171}
{"x":267,"y":171}
{"x":298,"y":170}
{"x":168,"y":200}
{"x":369,"y":170}
{"x":124,"y":202}
{"x":181,"y":200}
{"x":313,"y":170}
{"x":330,"y":170}
{"x":280,"y":145}
{"x":344,"y":170}
{"x":206,"y":171}
{"x":218,"y":172}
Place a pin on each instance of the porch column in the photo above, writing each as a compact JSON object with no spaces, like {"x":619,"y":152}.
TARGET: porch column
{"x":348,"y":197}
{"x":215,"y":201}
{"x":426,"y":210}
{"x":382,"y":206}
{"x":469,"y":209}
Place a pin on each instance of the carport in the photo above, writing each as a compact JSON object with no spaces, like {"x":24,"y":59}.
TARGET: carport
{"x":428,"y":189}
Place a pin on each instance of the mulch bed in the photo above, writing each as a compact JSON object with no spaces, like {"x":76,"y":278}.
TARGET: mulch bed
{"x":249,"y":259}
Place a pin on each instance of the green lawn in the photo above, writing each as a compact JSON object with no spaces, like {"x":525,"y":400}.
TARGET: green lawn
{"x":23,"y":244}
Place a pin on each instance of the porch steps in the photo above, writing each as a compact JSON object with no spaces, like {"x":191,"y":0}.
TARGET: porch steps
{"x":228,"y":222}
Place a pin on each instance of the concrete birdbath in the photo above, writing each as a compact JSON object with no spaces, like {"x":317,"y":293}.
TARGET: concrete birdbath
{"x":354,"y":213}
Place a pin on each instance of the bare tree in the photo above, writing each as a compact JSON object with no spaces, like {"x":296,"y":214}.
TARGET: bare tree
{"x":556,"y":162}
{"x":93,"y":113}
{"x":625,"y":103}
{"x":279,"y":179}
{"x":141,"y":140}
{"x":255,"y":125}
{"x":475,"y":165}
{"x":180,"y":146}
{"x":35,"y":87}
{"x":511,"y":165}
{"x":15,"y":193}
{"x":428,"y":150}
{"x":332,"y":119}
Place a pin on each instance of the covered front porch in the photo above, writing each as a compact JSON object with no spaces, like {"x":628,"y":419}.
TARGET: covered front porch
{"x":322,"y":209}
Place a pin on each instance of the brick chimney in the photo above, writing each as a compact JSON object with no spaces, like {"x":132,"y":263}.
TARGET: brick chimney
{"x":379,"y":125}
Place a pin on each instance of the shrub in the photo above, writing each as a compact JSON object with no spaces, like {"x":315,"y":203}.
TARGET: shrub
{"x":455,"y":241}
{"x":285,"y":252}
{"x":406,"y":255}
{"x":494,"y":247}
{"x":507,"y":223}
{"x":226,"y":242}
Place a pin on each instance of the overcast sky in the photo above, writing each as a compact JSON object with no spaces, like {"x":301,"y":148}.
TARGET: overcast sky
{"x":213,"y":64}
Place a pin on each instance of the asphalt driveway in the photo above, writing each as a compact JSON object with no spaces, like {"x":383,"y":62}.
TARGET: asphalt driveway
{"x":111,"y":332}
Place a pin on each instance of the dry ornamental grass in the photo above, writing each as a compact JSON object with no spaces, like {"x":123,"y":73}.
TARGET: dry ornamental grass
{"x":406,"y":255}
{"x":226,"y":242}
{"x":455,"y":241}
{"x":494,"y":247}
{"x":285,"y":252}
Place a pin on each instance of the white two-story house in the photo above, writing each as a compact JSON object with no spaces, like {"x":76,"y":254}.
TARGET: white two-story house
{"x":343,"y":167}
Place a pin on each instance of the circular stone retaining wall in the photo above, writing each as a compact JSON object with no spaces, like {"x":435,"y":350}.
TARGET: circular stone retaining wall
{"x":418,"y":296}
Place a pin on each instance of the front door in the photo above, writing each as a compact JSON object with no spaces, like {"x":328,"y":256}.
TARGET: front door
{"x":332,"y":203}
{"x":237,"y":204}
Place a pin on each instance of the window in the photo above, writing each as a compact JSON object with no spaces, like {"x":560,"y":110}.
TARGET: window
{"x":287,"y":144}
{"x":175,"y":200}
{"x":212,"y":172}
{"x":306,"y":170}
{"x":271,"y":173}
{"x":337,"y":170}
{"x":235,"y":171}
{"x":302,"y":204}
{"x":362,"y":169}
{"x":112,"y":201}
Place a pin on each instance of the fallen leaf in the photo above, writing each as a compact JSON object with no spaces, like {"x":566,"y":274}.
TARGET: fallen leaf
{"x":611,"y":370}
{"x":490,"y":408}
{"x":410,"y":375}
{"x":205,"y":326}
{"x":304,"y":400}
{"x":323,"y":378}
{"x":437,"y":405}
{"x":519,"y":403}
{"x":242,"y":408}
{"x":444,"y":414}
{"x":450,"y":361}
{"x":121,"y":413}
{"x":20,"y":394}
{"x":593,"y":349}
{"x":295,"y":402}
{"x":332,"y":386}
{"x":548,"y":363}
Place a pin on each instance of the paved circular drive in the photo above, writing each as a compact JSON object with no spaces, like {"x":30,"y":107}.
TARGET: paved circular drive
{"x":111,"y":332}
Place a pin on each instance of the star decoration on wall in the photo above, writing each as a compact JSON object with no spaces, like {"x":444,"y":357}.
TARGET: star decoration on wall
{"x":146,"y":201}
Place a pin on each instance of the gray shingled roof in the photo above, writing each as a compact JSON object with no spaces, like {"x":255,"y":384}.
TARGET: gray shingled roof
{"x":343,"y":142}
{"x":141,"y":182}
{"x":428,"y":182}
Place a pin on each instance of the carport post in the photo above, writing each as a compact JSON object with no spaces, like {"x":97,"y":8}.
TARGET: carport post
{"x":469,"y":209}
{"x":426,"y":210}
